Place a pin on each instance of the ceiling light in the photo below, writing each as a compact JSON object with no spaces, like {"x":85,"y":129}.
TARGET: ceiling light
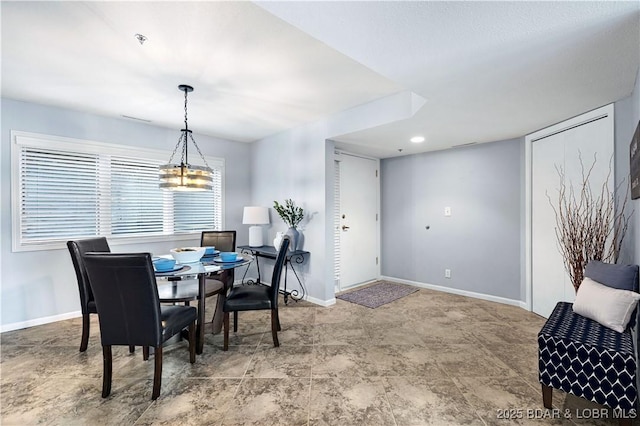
{"x":184,"y":176}
{"x":140,"y":38}
{"x":417,"y":139}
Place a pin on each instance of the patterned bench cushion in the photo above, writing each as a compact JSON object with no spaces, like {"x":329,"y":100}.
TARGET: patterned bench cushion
{"x":579,"y":356}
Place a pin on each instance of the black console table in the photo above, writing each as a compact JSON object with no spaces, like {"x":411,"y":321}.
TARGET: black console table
{"x":270,"y":252}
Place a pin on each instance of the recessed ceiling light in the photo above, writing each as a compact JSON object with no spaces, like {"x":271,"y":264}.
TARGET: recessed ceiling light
{"x":417,"y":139}
{"x":141,"y":38}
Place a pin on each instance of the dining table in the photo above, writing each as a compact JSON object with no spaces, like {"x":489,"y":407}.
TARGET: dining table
{"x":188,"y":281}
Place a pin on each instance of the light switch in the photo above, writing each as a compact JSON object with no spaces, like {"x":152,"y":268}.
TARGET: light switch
{"x":447,"y":211}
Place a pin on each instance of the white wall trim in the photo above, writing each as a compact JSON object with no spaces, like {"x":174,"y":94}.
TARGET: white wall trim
{"x":39,"y":321}
{"x":78,"y":314}
{"x":39,"y":140}
{"x":459,"y":292}
{"x":324,"y":303}
{"x":338,"y":153}
{"x":353,"y":287}
{"x":528,"y":170}
{"x":306,"y":297}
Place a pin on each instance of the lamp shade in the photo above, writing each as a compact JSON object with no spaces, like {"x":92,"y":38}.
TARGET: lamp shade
{"x":254,"y":215}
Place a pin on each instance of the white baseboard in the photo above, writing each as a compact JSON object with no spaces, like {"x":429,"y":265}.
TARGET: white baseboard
{"x":306,"y":297}
{"x":325,"y":303}
{"x":357,"y":285}
{"x":320,"y":302}
{"x":459,"y":292}
{"x":39,"y":321}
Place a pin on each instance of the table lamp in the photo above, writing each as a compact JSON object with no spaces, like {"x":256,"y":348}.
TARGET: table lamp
{"x":255,"y":216}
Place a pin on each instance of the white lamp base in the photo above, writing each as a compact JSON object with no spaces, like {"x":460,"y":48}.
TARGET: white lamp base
{"x":255,"y":236}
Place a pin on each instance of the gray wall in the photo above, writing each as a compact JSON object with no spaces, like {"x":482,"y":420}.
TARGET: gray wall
{"x":627,"y":112}
{"x":483,"y":241}
{"x":298,"y":164}
{"x":41,"y":286}
{"x":480,"y":242}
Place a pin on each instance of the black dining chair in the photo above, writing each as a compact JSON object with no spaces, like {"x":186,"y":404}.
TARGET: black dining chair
{"x":77,"y":249}
{"x":126,"y":296}
{"x":223,"y":241}
{"x":258,"y":297}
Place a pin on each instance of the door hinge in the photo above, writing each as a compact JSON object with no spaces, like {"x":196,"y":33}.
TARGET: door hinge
{"x":376,"y":173}
{"x":376,"y":217}
{"x":376,"y":260}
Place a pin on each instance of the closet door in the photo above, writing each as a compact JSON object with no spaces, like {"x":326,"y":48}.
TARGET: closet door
{"x":589,"y":137}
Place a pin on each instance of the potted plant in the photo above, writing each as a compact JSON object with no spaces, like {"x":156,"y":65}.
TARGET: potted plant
{"x":292,"y":216}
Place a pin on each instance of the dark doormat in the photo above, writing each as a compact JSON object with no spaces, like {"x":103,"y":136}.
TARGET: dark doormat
{"x":378,"y":294}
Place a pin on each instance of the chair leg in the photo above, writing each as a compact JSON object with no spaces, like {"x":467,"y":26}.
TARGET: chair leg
{"x":157,"y":372}
{"x":132,"y":349}
{"x":145,"y":353}
{"x":547,"y":396}
{"x":278,"y":320}
{"x":235,"y":321}
{"x":192,"y":342}
{"x":218,"y":315}
{"x":226,"y":331}
{"x":84,"y":342}
{"x":274,"y":327}
{"x":106,"y":374}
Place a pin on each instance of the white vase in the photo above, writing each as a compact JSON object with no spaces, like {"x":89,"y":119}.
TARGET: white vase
{"x":295,"y":237}
{"x":278,"y":240}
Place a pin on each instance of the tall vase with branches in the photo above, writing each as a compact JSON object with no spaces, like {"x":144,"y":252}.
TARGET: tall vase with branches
{"x":588,"y":225}
{"x":292,"y":215}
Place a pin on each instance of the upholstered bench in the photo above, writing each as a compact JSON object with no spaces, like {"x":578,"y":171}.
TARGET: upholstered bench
{"x":583,"y":357}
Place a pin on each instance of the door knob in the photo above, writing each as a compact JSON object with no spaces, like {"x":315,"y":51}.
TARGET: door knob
{"x":345,"y":227}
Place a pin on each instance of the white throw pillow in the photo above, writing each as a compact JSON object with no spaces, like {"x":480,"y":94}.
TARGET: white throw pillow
{"x":609,"y":306}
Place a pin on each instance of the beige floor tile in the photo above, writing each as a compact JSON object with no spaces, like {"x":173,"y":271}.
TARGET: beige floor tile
{"x":433,"y":400}
{"x":281,"y":362}
{"x":501,"y":401}
{"x":429,"y":358}
{"x":61,"y":401}
{"x":470,"y":360}
{"x":349,"y":401}
{"x":269,"y":402}
{"x":191,"y":402}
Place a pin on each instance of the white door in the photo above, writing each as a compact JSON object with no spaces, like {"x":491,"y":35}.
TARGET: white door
{"x":562,"y":146}
{"x":357,"y":221}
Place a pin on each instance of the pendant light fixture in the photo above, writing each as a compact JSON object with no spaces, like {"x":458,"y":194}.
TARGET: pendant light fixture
{"x":184,"y":176}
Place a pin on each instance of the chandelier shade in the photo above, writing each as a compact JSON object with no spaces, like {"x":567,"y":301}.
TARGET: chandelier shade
{"x":184,"y":176}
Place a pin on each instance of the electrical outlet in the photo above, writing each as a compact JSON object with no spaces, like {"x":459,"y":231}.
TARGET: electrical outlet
{"x":447,"y":211}
{"x":447,"y":273}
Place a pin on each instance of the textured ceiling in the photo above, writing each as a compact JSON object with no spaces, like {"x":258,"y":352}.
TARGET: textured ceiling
{"x":253,"y":74}
{"x":488,"y":70}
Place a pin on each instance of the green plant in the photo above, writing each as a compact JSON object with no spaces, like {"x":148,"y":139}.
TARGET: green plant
{"x":289,"y":213}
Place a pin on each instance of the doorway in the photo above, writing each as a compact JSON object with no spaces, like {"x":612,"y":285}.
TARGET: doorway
{"x":357,"y":230}
{"x":563,"y":145}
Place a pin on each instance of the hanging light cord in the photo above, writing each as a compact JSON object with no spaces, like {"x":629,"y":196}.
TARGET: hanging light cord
{"x":183,"y":158}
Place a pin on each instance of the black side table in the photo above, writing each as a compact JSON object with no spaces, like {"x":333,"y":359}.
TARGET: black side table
{"x":270,"y":252}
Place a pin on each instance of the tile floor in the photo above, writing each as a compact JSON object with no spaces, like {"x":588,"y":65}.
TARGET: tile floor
{"x":430,"y":358}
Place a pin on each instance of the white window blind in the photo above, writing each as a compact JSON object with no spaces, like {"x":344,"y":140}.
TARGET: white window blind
{"x":58,"y":194}
{"x":67,"y":190}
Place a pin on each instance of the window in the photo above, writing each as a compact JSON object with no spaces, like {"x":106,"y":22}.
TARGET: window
{"x":68,"y":189}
